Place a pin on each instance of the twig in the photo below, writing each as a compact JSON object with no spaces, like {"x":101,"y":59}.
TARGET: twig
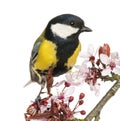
{"x":97,"y":117}
{"x":76,"y":120}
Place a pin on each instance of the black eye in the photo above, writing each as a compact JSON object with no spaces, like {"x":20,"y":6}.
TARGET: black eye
{"x":72,"y":23}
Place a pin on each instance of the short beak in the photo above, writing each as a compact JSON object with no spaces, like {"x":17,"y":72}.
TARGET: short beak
{"x":85,"y":29}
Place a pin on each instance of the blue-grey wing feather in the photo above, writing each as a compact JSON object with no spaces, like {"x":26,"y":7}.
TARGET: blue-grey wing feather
{"x":34,"y":73}
{"x":35,"y":51}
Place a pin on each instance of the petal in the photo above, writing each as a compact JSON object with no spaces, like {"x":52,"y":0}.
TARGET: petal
{"x":116,"y":70}
{"x":69,"y":91}
{"x":106,"y":72}
{"x":89,"y":52}
{"x":78,"y":81}
{"x":83,"y":65}
{"x":83,"y":68}
{"x":104,"y":59}
{"x":43,"y":108}
{"x":69,"y":77}
{"x":114,"y":55}
{"x":90,"y":49}
{"x":84,"y":55}
{"x":117,"y":62}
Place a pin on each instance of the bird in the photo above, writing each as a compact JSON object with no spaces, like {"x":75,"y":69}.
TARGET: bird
{"x":56,"y":50}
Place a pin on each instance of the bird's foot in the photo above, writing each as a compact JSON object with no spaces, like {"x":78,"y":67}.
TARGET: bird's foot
{"x":38,"y":99}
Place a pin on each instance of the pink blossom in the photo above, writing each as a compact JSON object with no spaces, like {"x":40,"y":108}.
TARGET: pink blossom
{"x":112,"y":63}
{"x":90,"y":54}
{"x":64,"y":95}
{"x":73,"y":78}
{"x":78,"y":77}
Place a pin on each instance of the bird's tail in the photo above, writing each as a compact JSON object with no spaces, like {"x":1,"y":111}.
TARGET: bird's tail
{"x":29,"y":82}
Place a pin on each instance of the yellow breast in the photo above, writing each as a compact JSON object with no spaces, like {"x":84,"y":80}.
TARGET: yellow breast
{"x":72,"y":60}
{"x":46,"y":55}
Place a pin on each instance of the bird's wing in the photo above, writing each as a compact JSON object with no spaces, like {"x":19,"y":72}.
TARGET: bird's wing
{"x":33,"y":73}
{"x":35,"y":50}
{"x":36,"y":47}
{"x":35,"y":77}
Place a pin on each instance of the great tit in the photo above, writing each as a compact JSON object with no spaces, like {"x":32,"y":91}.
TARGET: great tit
{"x":56,"y":48}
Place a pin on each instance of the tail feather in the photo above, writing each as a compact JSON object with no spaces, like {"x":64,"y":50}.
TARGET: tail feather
{"x":29,"y":82}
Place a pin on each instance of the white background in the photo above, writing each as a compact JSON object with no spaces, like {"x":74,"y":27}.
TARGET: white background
{"x":22,"y":21}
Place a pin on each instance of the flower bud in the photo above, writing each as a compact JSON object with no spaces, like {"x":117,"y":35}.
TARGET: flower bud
{"x":71,"y":98}
{"x":83,"y":112}
{"x":105,"y":50}
{"x":81,"y":102}
{"x":81,"y":96}
{"x":67,"y":84}
{"x":61,"y":97}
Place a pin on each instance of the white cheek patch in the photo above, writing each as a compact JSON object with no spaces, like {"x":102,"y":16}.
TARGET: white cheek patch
{"x":63,"y":30}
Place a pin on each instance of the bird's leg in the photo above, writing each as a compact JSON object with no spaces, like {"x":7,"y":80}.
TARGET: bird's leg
{"x":45,"y":78}
{"x":40,"y":78}
{"x":49,"y":79}
{"x":38,"y":98}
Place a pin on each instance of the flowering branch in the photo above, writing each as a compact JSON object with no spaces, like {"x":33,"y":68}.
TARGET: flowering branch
{"x":56,"y":107}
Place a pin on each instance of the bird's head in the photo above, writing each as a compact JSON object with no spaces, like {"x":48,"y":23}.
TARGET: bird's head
{"x":67,"y":25}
